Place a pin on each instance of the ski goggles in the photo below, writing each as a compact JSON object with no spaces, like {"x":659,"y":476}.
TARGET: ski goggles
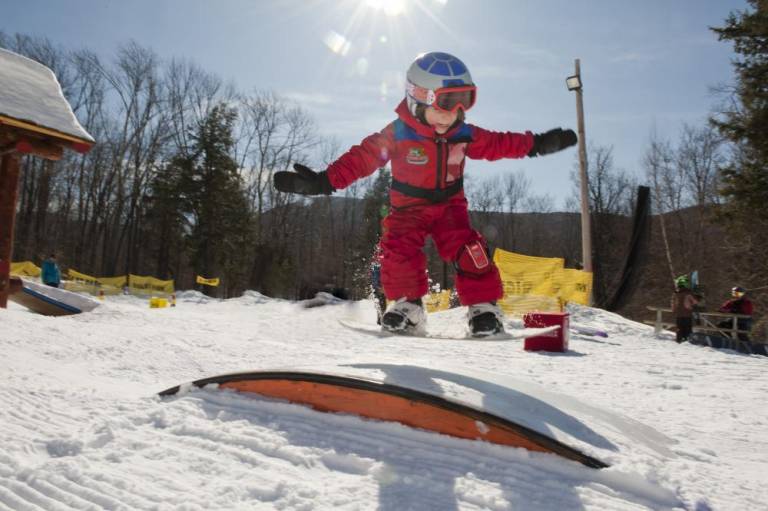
{"x":448,"y":99}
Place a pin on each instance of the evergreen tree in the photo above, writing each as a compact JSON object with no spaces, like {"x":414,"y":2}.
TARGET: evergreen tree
{"x":166,"y":221}
{"x":745,"y":180}
{"x":376,"y":201}
{"x":211,"y":197}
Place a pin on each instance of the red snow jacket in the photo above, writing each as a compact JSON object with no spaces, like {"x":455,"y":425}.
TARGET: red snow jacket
{"x":426,"y":167}
{"x":737,"y":306}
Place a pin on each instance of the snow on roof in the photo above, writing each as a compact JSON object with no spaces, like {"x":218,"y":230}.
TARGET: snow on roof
{"x":30,"y":92}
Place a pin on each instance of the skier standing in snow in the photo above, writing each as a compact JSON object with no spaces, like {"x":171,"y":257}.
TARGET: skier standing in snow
{"x":427,"y":145}
{"x":683,"y":302}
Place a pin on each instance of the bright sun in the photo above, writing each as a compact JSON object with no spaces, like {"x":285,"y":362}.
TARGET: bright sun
{"x":389,"y":7}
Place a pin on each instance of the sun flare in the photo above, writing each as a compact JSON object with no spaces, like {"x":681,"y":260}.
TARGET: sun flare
{"x":364,"y":33}
{"x":389,"y":7}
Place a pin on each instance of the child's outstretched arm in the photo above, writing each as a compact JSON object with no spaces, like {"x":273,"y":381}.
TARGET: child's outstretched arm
{"x":359,"y":161}
{"x":492,"y":145}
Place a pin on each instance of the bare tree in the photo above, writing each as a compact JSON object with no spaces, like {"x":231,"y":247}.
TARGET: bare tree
{"x":274,"y":135}
{"x":610,"y":202}
{"x":610,"y":189}
{"x":139,"y":135}
{"x":516,"y":189}
{"x":543,"y":203}
{"x":87,"y":179}
{"x":486,"y":195}
{"x":700,"y":155}
{"x":659,"y":169}
{"x":699,"y":158}
{"x":191,"y":93}
{"x":516,"y":186}
{"x":682,"y":177}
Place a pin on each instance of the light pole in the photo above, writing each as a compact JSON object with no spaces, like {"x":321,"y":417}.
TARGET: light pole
{"x":574,"y":84}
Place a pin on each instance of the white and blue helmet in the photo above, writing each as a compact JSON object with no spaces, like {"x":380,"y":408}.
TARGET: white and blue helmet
{"x":432,"y":71}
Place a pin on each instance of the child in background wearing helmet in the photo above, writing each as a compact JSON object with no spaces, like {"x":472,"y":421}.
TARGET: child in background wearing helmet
{"x":427,"y":146}
{"x":738,"y":304}
{"x":683,"y":302}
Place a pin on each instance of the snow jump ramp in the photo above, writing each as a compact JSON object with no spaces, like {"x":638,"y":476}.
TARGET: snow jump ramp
{"x":49,"y":301}
{"x":408,"y":402}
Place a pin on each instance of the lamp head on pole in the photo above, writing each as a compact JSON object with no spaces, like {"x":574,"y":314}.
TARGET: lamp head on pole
{"x":573,"y":82}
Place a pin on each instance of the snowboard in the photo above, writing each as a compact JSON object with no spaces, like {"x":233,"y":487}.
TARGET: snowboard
{"x":375,"y":331}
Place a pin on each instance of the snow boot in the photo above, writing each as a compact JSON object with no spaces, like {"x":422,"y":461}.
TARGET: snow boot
{"x":485,"y":319}
{"x":405,"y":316}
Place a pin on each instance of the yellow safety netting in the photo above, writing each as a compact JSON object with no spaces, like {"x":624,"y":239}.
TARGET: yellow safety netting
{"x":25,"y":269}
{"x":149,"y":285}
{"x":135,"y":284}
{"x":526,"y":275}
{"x":118,"y":282}
{"x":530,"y":283}
{"x":80,"y":282}
{"x":576,"y":286}
{"x":207,"y":282}
{"x":438,"y":301}
{"x":539,"y":283}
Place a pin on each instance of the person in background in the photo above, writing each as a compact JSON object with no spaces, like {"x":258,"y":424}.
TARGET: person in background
{"x":738,"y":304}
{"x":50,"y":275}
{"x":683,"y":302}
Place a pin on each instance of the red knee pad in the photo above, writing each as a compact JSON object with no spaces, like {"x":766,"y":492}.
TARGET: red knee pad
{"x":473,"y":259}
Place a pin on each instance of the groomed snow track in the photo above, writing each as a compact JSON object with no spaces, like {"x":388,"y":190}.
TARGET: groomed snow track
{"x":384,"y":401}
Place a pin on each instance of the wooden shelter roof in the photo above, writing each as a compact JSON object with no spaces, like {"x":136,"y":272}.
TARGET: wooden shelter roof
{"x":33,"y":107}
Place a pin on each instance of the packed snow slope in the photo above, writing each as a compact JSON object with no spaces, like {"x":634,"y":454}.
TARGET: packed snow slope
{"x":81,"y":426}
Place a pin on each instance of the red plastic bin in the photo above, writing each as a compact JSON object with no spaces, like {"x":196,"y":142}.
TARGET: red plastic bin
{"x":552,"y":341}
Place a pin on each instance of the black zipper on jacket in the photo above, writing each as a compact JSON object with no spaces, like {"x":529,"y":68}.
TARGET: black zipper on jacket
{"x":441,"y":144}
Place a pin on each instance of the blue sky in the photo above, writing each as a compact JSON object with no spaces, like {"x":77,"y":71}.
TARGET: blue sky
{"x":645,"y":65}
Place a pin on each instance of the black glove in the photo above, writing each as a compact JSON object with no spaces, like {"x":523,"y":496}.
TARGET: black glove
{"x":552,"y":141}
{"x":304,"y":181}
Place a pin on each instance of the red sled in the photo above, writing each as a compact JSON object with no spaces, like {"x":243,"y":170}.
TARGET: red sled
{"x":551,"y":341}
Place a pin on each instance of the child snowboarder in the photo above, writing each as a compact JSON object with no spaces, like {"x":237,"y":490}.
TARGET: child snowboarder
{"x":427,"y":145}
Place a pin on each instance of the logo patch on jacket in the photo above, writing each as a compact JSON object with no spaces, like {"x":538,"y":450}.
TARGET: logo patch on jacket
{"x":417,"y":156}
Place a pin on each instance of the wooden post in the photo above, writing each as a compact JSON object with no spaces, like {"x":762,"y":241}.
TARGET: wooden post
{"x":586,"y":224}
{"x":657,"y":328}
{"x":9,"y":186}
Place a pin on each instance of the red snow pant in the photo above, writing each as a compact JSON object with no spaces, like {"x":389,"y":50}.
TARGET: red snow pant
{"x":404,"y":264}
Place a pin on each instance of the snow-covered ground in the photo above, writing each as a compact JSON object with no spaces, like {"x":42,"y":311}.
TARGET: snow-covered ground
{"x":81,"y":426}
